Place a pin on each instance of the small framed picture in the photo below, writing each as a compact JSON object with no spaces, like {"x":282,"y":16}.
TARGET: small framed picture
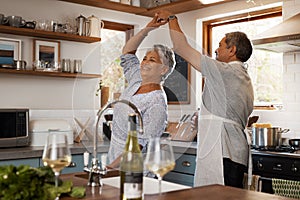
{"x":10,"y":50}
{"x":46,"y":52}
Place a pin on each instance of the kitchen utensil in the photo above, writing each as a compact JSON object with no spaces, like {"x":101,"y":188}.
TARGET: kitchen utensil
{"x":267,"y":137}
{"x":16,"y":21}
{"x":84,"y":130}
{"x":81,"y":25}
{"x":252,"y":120}
{"x":31,"y":24}
{"x":295,"y":143}
{"x":186,"y":117}
{"x":3,"y":19}
{"x":77,"y":66}
{"x":20,"y":64}
{"x":184,"y":120}
{"x":285,"y":141}
{"x":66,"y":65}
{"x":180,"y":121}
{"x":94,"y":26}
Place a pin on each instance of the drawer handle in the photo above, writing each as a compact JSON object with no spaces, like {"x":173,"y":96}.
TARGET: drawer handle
{"x":72,"y":164}
{"x":186,"y":164}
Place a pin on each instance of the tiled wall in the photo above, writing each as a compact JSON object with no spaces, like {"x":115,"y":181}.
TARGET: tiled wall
{"x":289,"y":116}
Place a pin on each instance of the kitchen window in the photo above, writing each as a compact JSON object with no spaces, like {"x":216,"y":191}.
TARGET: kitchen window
{"x":113,"y":37}
{"x":264,"y":67}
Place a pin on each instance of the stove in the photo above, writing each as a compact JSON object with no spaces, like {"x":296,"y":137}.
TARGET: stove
{"x":280,"y":162}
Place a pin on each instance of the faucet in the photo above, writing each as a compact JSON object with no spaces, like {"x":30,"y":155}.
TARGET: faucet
{"x":96,"y":170}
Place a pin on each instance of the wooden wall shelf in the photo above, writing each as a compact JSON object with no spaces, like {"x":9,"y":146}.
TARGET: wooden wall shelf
{"x":49,"y":74}
{"x":47,"y":34}
{"x":175,"y":7}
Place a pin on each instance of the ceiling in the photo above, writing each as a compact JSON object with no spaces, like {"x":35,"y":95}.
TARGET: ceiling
{"x":176,"y":6}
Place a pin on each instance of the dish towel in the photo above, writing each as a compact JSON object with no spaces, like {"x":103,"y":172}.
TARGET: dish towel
{"x":286,"y":188}
{"x":254,"y":183}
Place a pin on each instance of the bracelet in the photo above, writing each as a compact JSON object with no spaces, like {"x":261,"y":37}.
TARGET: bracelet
{"x":171,"y":17}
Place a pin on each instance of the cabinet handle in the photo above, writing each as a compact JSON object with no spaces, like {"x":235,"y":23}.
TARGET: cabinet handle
{"x":186,"y":164}
{"x":72,"y":164}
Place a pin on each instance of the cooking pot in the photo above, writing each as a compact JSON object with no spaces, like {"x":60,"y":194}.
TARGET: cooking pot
{"x":295,"y":143}
{"x":267,"y":137}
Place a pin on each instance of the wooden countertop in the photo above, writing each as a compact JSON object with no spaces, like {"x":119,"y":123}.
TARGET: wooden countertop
{"x":212,"y":192}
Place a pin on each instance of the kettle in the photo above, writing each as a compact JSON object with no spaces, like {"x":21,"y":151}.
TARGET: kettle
{"x":94,"y":26}
{"x":81,"y":25}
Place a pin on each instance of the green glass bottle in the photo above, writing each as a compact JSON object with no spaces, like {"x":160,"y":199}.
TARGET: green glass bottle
{"x":131,"y":166}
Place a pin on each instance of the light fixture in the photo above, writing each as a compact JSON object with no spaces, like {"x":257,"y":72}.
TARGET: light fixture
{"x":210,"y":1}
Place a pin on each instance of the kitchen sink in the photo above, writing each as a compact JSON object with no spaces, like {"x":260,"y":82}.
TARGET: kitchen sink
{"x":150,"y":185}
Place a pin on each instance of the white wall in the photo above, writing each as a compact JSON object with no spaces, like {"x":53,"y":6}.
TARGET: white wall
{"x":66,"y":98}
{"x":56,"y":93}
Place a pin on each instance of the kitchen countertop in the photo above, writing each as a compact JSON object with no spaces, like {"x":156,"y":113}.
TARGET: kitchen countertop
{"x":37,"y":151}
{"x":212,"y":192}
{"x":80,"y":148}
{"x":277,"y":154}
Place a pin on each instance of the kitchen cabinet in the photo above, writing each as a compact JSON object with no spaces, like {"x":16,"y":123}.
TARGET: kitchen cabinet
{"x":48,"y":35}
{"x":184,"y":170}
{"x":176,"y":6}
{"x":33,"y":162}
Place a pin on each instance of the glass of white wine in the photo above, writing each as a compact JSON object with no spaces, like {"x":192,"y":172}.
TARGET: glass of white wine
{"x":56,"y":155}
{"x":159,"y":158}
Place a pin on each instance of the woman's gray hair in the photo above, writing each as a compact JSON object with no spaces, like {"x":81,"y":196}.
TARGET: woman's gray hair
{"x":167,"y":58}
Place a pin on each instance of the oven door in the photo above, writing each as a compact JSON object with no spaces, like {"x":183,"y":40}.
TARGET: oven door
{"x":275,"y":165}
{"x":265,"y":185}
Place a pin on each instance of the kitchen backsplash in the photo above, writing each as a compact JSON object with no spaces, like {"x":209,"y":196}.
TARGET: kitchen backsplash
{"x":81,"y":115}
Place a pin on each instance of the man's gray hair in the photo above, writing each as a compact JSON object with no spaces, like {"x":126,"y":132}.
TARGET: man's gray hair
{"x":243,"y":44}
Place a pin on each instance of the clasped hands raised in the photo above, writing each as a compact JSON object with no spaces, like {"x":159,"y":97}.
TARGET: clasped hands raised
{"x":160,"y":18}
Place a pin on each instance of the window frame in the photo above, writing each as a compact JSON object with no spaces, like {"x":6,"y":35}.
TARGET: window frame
{"x":127,"y":28}
{"x":249,"y":16}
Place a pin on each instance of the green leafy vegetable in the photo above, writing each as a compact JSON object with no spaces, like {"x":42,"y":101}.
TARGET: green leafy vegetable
{"x":28,"y":183}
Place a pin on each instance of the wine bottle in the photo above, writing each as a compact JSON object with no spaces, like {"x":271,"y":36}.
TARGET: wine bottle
{"x":131,"y":166}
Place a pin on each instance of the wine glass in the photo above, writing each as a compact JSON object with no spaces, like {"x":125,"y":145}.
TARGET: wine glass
{"x":56,"y":155}
{"x":159,"y":158}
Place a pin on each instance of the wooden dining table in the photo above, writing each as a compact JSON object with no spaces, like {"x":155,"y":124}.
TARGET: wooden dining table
{"x":211,"y":192}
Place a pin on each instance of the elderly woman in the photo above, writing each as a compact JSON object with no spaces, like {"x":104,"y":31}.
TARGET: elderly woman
{"x":144,"y":90}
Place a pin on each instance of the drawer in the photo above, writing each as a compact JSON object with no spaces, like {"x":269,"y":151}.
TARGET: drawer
{"x":33,"y":162}
{"x":179,"y":178}
{"x":185,"y":163}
